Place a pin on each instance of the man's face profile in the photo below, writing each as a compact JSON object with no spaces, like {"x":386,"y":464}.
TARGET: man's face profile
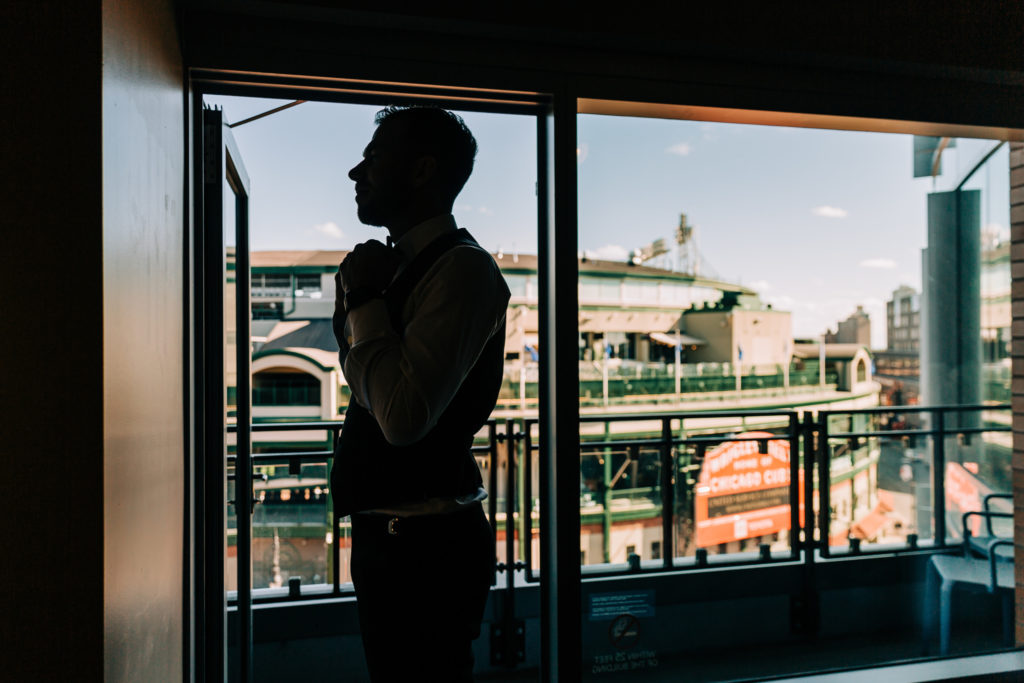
{"x":384,"y":178}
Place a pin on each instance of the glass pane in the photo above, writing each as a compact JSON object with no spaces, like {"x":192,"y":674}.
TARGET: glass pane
{"x":880,"y":492}
{"x":291,"y":526}
{"x":302,"y":225}
{"x":741,"y":268}
{"x":978,"y":480}
{"x":620,"y":496}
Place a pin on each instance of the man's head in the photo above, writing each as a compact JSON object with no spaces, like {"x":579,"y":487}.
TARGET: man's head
{"x":416,"y":164}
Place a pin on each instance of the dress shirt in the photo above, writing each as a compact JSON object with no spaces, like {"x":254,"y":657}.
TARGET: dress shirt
{"x":407,"y":380}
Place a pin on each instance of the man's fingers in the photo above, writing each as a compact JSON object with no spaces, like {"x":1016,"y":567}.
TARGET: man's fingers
{"x":370,"y":263}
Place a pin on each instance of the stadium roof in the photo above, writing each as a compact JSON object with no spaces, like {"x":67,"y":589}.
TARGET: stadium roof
{"x":506,"y":261}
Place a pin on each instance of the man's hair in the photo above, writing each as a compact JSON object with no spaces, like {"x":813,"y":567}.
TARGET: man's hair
{"x":436,"y":132}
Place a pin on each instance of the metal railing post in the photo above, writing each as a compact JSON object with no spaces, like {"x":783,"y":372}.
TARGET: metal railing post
{"x":335,"y":522}
{"x":510,"y":516}
{"x":795,"y":540}
{"x":807,"y":611}
{"x":824,"y":462}
{"x":939,"y":476}
{"x":508,"y":635}
{"x":528,"y":498}
{"x":606,"y":497}
{"x":809,"y":522}
{"x":667,"y":494}
{"x":492,"y":486}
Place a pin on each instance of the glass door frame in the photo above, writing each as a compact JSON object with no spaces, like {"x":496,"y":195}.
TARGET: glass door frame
{"x":219,"y":161}
{"x":559,"y":373}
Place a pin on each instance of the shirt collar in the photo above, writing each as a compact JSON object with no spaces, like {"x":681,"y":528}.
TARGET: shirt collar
{"x":419,"y":236}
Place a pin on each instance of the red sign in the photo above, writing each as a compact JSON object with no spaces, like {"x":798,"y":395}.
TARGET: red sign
{"x":964,"y":493}
{"x":743,"y":493}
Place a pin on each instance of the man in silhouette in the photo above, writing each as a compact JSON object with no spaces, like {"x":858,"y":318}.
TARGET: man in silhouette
{"x":421,"y":328}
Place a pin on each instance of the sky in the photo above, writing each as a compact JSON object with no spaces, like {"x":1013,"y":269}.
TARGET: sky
{"x":817,"y":221}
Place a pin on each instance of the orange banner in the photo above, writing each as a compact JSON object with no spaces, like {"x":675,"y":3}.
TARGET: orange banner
{"x":742,"y":493}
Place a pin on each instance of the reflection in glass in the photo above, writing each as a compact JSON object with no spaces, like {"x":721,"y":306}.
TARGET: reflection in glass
{"x":230,"y":372}
{"x":303,"y":223}
{"x":858,"y":279}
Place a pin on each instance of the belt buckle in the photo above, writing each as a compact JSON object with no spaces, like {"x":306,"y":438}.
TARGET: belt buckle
{"x":393,"y":526}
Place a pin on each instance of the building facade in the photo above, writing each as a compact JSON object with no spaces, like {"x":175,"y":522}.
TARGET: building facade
{"x":903,"y":320}
{"x":856,"y":329}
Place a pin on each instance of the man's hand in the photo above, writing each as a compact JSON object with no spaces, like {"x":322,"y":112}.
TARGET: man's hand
{"x":370,"y":264}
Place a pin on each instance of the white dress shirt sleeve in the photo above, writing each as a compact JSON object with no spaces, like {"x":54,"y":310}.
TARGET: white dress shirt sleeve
{"x":406,"y":381}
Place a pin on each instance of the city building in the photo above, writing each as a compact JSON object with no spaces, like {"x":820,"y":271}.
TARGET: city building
{"x":996,"y":319}
{"x":626,"y":309}
{"x":903,"y":320}
{"x":640,"y":327}
{"x":733,"y":350}
{"x":741,"y":331}
{"x":856,"y":329}
{"x":114,"y":386}
{"x":898,"y":366}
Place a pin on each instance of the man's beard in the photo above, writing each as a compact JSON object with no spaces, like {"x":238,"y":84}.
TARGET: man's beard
{"x":381,"y":207}
{"x":367,"y":216}
{"x":372,"y":214}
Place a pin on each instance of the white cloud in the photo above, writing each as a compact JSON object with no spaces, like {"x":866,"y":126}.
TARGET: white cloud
{"x":682,"y":149}
{"x":878,"y":263}
{"x":484,"y":210}
{"x":609,"y":252}
{"x":830,"y":212}
{"x":329,"y":229}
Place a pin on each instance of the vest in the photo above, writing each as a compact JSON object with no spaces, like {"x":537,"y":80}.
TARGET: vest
{"x":371,"y":473}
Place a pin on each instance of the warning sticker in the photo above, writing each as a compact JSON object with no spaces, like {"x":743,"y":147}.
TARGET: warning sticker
{"x":605,"y":606}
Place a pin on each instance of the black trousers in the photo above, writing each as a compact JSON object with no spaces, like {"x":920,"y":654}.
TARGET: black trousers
{"x":421,"y":592}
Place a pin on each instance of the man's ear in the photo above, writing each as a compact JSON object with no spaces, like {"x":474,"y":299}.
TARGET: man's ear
{"x":424,"y":171}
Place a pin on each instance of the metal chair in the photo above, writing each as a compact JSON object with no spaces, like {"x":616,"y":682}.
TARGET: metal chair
{"x":990,"y":571}
{"x":979,"y":545}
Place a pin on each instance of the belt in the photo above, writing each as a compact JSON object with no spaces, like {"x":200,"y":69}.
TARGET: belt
{"x":397,"y":525}
{"x":432,"y":506}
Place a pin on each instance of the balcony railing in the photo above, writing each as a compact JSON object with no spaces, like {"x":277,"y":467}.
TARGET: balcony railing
{"x":627,"y":382}
{"x":871,"y":481}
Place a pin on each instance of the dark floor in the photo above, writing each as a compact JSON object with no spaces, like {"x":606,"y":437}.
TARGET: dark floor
{"x":794,"y":659}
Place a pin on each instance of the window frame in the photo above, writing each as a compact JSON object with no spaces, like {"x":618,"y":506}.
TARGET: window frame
{"x":558,"y":277}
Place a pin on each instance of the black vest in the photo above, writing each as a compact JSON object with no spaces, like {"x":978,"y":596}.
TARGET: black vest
{"x":371,"y":473}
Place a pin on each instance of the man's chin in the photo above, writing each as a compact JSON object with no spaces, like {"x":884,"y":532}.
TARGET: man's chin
{"x":367,"y":216}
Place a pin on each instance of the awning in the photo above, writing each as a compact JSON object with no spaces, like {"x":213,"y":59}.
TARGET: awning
{"x":672,"y":339}
{"x":870,"y":525}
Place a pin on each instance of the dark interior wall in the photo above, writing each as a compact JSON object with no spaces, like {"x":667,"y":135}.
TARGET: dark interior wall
{"x":51,"y":601}
{"x":982,"y":35}
{"x":143,"y":442}
{"x":915,"y":61}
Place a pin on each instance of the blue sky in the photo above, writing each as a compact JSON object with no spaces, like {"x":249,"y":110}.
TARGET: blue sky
{"x":817,"y":221}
